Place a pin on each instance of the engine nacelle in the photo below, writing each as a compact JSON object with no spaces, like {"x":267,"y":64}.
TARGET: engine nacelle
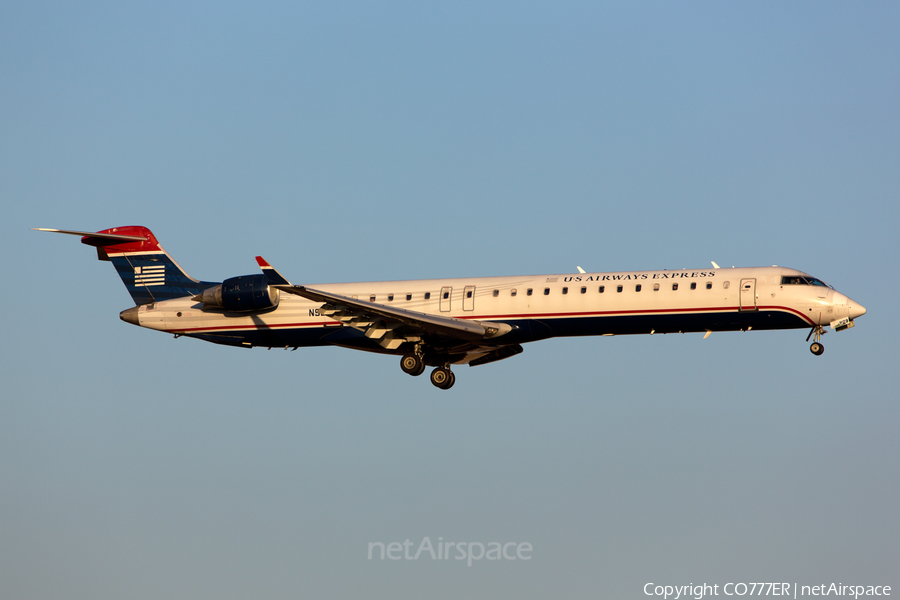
{"x":241,"y":294}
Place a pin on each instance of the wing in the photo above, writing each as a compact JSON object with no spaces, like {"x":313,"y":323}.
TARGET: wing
{"x":390,"y":326}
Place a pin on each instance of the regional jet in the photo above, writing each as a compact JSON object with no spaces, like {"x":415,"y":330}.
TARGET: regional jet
{"x":464,"y":321}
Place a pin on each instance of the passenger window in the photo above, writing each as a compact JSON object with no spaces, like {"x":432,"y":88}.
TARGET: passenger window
{"x":528,"y":292}
{"x":371,"y":298}
{"x":602,"y":288}
{"x":726,"y":284}
{"x":584,"y":290}
{"x":546,"y":291}
{"x":512,"y":292}
{"x":496,"y":293}
{"x":446,"y":295}
{"x":390,"y":297}
{"x":428,"y":295}
{"x":409,"y":296}
{"x":674,"y":286}
{"x":565,"y":290}
{"x":693,"y":285}
{"x":709,"y":285}
{"x":637,"y":288}
{"x":655,"y":287}
{"x":619,"y":288}
{"x":469,"y":294}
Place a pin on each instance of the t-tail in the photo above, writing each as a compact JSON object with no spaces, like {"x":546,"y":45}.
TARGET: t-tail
{"x":146,"y":269}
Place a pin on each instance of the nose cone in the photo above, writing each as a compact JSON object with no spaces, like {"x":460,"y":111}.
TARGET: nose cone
{"x":847,"y":306}
{"x":131,"y":315}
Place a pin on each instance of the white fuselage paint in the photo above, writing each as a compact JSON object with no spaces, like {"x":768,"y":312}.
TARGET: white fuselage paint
{"x":666,"y":296}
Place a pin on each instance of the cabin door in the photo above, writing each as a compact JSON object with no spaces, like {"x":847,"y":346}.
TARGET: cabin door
{"x":469,"y":298}
{"x":748,"y":294}
{"x":446,"y":293}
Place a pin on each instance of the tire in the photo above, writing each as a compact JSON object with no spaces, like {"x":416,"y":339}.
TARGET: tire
{"x":817,"y":348}
{"x":420,"y":370}
{"x":412,"y":364}
{"x":442,"y":378}
{"x":451,"y":382}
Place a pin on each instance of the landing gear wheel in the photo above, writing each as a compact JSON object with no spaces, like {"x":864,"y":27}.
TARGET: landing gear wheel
{"x":412,"y":365}
{"x":816,"y":334}
{"x":443,"y":378}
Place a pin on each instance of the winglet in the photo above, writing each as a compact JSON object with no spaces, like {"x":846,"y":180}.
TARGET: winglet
{"x":273,"y":277}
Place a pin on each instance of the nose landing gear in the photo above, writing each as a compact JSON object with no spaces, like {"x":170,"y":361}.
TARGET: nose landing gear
{"x":816,"y":347}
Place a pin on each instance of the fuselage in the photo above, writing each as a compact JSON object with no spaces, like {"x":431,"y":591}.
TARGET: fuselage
{"x":536,"y":307}
{"x":471,"y":321}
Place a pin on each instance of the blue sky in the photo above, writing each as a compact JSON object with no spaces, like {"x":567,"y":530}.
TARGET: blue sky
{"x":368,"y":141}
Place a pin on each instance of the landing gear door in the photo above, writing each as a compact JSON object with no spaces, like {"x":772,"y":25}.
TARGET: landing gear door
{"x":748,"y":294}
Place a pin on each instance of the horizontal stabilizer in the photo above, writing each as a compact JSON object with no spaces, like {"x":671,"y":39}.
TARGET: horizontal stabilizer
{"x":97,"y":239}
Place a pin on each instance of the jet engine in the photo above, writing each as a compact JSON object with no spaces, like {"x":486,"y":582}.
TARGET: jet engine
{"x":241,"y":294}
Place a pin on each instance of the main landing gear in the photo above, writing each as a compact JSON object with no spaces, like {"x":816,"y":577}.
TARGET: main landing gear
{"x":816,"y":347}
{"x":412,"y":364}
{"x":441,"y":377}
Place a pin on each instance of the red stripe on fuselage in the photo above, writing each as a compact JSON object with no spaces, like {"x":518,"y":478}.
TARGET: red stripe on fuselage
{"x":716,"y":309}
{"x":252,"y":327}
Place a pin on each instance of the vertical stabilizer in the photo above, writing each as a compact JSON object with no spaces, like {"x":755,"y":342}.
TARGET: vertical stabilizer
{"x":146,"y":269}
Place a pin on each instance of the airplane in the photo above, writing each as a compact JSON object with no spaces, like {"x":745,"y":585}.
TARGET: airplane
{"x":462,"y":321}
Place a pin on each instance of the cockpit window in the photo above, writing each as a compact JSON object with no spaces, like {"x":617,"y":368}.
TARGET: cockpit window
{"x":802,"y":280}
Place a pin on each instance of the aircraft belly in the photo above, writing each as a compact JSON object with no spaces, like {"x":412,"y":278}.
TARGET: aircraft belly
{"x":674,"y":323}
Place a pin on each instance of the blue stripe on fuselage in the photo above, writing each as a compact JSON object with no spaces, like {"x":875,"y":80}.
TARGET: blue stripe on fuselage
{"x":527,"y":330}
